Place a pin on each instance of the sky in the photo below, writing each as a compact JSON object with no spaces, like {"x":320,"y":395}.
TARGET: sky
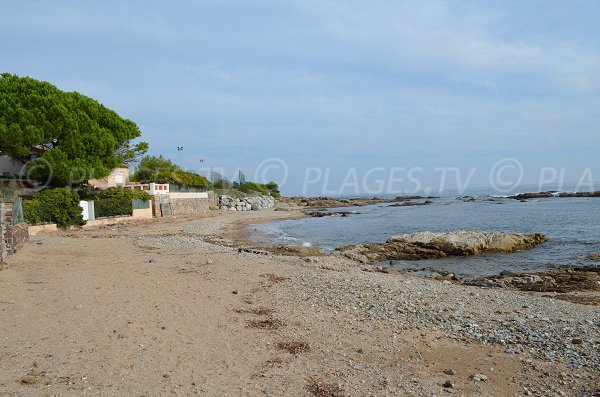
{"x":336,"y":97}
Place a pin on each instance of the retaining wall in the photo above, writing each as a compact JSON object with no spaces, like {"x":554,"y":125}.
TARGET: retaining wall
{"x":189,"y":203}
{"x":12,"y":237}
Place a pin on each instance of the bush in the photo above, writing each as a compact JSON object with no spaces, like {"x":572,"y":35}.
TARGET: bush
{"x":222,"y":184}
{"x":270,"y":189}
{"x":60,"y":206}
{"x":253,"y":187}
{"x":112,"y":206}
{"x":114,"y":192}
{"x":114,"y":201}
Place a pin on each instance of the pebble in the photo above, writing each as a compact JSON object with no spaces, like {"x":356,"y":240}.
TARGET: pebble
{"x":529,"y":325}
{"x":479,"y":378}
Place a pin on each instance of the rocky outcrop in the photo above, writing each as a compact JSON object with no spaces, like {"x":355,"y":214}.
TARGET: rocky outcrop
{"x":321,"y":214}
{"x":466,"y":242}
{"x":580,"y":194}
{"x":390,"y":250}
{"x":561,"y":280}
{"x":535,"y":195}
{"x":329,"y":202}
{"x":411,"y":203}
{"x":429,"y":245}
{"x":254,"y":203}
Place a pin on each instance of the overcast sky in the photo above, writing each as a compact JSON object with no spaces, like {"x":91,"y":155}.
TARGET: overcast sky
{"x":329,"y":87}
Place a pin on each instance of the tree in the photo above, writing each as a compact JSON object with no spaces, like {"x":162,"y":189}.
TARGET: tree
{"x":162,"y":170}
{"x":153,"y":168}
{"x":82,"y":138}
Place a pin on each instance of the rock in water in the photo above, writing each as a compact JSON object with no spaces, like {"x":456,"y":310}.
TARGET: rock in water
{"x":429,"y":245}
{"x":465,"y":242}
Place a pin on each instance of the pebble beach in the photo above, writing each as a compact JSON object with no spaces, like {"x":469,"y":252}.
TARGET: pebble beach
{"x":173,"y":307}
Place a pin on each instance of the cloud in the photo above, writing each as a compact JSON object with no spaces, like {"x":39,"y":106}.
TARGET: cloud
{"x":327,"y":81}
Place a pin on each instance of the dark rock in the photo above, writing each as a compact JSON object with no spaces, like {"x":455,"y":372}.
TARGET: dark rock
{"x":561,"y":280}
{"x":321,"y":214}
{"x":527,"y":196}
{"x":411,"y":203}
{"x":580,"y":194}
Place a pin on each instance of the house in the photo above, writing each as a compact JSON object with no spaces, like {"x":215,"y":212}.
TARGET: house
{"x":11,"y":167}
{"x":119,"y":176}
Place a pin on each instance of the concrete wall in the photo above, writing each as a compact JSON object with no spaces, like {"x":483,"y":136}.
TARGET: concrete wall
{"x":189,"y":203}
{"x":155,"y":205}
{"x":12,"y":237}
{"x":87,"y":210}
{"x":118,"y":177}
{"x":143,"y":213}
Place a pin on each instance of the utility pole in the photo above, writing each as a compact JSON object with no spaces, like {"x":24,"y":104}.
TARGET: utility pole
{"x":202,"y":168}
{"x":180,"y":150}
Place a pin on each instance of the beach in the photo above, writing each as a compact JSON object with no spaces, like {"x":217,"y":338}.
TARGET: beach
{"x":172,"y":307}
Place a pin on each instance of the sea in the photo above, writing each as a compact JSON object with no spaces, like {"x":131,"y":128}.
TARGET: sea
{"x":571,"y":224}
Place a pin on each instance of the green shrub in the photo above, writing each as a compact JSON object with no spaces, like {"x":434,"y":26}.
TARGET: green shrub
{"x":114,"y":201}
{"x":270,"y":189}
{"x":114,"y":192}
{"x":60,"y":206}
{"x":253,"y":187}
{"x":222,"y":184}
{"x":112,"y":206}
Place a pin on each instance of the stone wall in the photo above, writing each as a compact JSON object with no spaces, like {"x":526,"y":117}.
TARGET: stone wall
{"x":12,"y":237}
{"x":189,"y":203}
{"x":189,"y":206}
{"x":254,"y":203}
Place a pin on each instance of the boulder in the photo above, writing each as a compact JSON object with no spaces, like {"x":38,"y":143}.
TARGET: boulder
{"x":253,"y":203}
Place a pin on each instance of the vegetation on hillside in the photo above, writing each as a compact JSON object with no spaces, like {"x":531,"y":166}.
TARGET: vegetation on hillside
{"x":269,"y":189}
{"x":162,"y":170}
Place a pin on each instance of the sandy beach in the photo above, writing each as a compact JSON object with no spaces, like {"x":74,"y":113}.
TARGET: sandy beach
{"x":170,"y":307}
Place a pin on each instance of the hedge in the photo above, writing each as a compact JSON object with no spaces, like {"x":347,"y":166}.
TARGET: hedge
{"x":60,"y":206}
{"x":114,"y":201}
{"x":112,"y":206}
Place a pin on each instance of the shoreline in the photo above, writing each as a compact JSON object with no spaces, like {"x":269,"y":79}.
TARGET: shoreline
{"x":238,"y":231}
{"x":571,"y":283}
{"x":170,"y":312}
